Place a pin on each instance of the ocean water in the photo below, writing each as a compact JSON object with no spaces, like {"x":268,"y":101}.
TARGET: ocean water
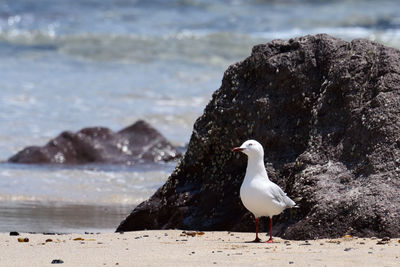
{"x":70,"y":64}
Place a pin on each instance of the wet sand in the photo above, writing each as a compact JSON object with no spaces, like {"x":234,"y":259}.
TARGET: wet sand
{"x":177,"y":248}
{"x":60,"y":218}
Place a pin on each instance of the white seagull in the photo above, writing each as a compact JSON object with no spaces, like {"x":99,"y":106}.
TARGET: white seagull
{"x":258,"y":194}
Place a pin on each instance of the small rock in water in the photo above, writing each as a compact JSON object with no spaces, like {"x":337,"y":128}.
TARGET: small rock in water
{"x":386,"y":239}
{"x":49,"y":240}
{"x":57,"y":261}
{"x":347,"y":249}
{"x":23,"y":239}
{"x":14,"y":233}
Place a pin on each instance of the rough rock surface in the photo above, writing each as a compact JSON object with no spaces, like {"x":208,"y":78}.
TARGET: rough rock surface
{"x":327,"y":112}
{"x":135,"y":144}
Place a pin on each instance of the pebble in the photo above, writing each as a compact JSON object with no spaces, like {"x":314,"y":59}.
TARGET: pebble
{"x":333,"y":241}
{"x":192,"y":234}
{"x":57,"y":261}
{"x":381,"y":242}
{"x":347,"y":249}
{"x":23,"y":239}
{"x":14,"y":233}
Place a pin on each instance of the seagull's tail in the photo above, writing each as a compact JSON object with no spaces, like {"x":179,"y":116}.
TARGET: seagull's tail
{"x":297,"y":199}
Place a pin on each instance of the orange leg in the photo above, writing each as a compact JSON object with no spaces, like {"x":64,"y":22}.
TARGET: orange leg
{"x":257,"y":240}
{"x":270,"y":231}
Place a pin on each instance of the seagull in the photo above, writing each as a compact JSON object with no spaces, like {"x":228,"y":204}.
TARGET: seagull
{"x":258,"y":194}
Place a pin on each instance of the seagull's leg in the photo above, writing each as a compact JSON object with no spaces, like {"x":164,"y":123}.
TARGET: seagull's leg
{"x":270,"y":231}
{"x":257,"y":238}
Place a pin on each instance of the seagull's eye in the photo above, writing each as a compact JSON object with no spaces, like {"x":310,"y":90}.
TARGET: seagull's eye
{"x":250,"y":144}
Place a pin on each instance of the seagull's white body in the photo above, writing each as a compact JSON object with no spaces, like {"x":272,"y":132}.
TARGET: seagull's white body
{"x":258,"y":194}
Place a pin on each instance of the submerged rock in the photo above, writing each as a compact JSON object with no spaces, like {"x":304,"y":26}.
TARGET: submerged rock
{"x":327,"y":112}
{"x":137,"y":143}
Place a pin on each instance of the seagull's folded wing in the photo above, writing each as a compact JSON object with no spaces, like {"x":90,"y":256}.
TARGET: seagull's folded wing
{"x":280,"y":197}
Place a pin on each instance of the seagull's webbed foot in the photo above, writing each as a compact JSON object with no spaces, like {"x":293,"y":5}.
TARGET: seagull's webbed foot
{"x":270,"y":240}
{"x":256,"y":240}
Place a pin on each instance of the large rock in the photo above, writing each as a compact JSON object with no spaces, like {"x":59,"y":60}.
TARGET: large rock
{"x":327,"y":113}
{"x":135,"y":144}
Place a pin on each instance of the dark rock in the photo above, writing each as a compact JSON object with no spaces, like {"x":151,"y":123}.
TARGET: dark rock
{"x":57,"y":261}
{"x":14,"y":233}
{"x":135,"y":144}
{"x":327,"y":112}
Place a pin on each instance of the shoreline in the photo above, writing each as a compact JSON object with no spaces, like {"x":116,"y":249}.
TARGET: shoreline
{"x":186,"y":248}
{"x":39,"y":217}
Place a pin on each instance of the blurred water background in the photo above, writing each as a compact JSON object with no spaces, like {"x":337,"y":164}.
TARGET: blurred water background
{"x":70,"y":64}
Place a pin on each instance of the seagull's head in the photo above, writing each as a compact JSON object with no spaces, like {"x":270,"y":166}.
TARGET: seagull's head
{"x":251,"y":148}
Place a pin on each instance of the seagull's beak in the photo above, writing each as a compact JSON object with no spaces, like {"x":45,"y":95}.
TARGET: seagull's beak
{"x":237,"y":149}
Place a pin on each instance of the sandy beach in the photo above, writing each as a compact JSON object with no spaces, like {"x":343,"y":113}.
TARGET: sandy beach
{"x":180,"y":248}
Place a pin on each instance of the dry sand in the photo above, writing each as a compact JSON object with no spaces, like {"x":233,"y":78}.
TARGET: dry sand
{"x":175,"y":248}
